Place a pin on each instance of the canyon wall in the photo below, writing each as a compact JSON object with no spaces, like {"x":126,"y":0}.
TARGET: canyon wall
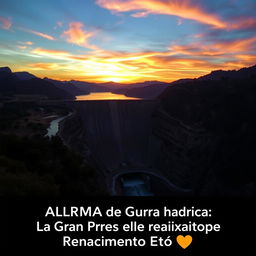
{"x":207,"y":129}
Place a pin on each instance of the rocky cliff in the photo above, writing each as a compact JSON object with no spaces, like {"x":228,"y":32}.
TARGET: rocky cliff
{"x":207,"y":128}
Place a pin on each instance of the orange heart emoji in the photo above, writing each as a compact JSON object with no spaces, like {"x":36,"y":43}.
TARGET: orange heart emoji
{"x":184,"y":242}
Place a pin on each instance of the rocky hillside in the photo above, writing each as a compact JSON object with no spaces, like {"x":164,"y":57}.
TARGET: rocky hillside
{"x":207,"y":128}
{"x":26,"y":84}
{"x":145,"y":92}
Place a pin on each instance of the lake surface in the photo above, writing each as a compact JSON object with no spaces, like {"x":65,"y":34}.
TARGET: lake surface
{"x":104,"y":96}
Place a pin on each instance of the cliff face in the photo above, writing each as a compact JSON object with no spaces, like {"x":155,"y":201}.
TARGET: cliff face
{"x":207,"y":129}
{"x":187,"y":151}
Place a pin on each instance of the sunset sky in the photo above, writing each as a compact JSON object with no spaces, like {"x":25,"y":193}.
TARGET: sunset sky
{"x":127,"y":40}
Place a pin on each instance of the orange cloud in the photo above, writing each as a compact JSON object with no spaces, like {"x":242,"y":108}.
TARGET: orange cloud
{"x":28,"y":43}
{"x":5,"y":23}
{"x":45,"y":66}
{"x":182,"y":8}
{"x":244,"y":23}
{"x":52,"y":53}
{"x":214,"y":49}
{"x":77,"y":35}
{"x":186,"y":9}
{"x":243,"y":60}
{"x":22,"y":47}
{"x":43,"y":35}
{"x":179,"y":61}
{"x":46,"y":36}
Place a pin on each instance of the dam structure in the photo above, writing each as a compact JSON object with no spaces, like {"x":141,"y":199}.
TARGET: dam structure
{"x":119,"y":139}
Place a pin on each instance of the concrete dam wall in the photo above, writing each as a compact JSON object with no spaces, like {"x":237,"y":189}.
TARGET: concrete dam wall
{"x":119,"y":133}
{"x":117,"y":136}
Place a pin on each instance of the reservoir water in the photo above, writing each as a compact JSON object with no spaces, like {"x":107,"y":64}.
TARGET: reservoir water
{"x":104,"y":96}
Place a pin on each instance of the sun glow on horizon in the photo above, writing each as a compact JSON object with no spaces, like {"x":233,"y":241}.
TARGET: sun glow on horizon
{"x":115,"y":79}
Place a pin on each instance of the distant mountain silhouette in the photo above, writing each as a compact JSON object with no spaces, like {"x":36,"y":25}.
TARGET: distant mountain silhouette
{"x":5,"y":69}
{"x":7,"y":80}
{"x":233,"y":74}
{"x":182,"y":81}
{"x":68,"y":87}
{"x":11,"y":84}
{"x":148,"y":83}
{"x":147,"y":89}
{"x":24,"y":75}
{"x":91,"y":87}
{"x":146,"y":92}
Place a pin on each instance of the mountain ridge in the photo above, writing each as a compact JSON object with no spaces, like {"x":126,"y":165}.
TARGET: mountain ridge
{"x":73,"y":88}
{"x":24,"y":83}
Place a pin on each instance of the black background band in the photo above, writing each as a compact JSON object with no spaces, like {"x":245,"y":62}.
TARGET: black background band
{"x":236,"y":217}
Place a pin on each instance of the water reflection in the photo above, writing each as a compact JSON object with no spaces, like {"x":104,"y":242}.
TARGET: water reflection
{"x":104,"y":96}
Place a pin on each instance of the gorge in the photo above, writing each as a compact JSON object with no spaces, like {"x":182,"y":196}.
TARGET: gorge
{"x":196,"y":138}
{"x":185,"y":142}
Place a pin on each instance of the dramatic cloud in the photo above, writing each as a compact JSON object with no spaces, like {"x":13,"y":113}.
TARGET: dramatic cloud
{"x":244,"y":23}
{"x":46,"y":36}
{"x":50,"y":53}
{"x":24,"y":45}
{"x":138,"y":50}
{"x":5,"y":23}
{"x":27,"y":43}
{"x":217,"y":49}
{"x":243,"y":60}
{"x":186,"y":9}
{"x":77,"y":35}
{"x":44,"y":66}
{"x":179,"y":61}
